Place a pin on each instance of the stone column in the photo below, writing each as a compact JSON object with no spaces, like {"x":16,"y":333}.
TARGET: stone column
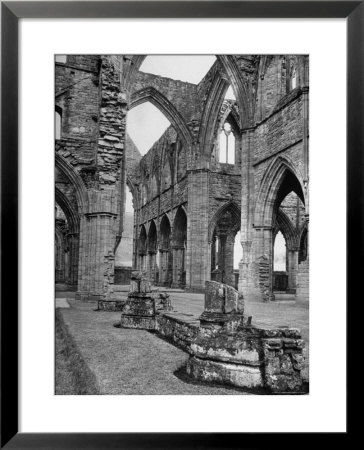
{"x":97,"y":242}
{"x":73,"y":239}
{"x":60,"y":262}
{"x":248,"y":273}
{"x":177,"y":271}
{"x":162,"y":267}
{"x":151,"y":270}
{"x":292,"y":267}
{"x":221,"y":257}
{"x":305,"y":146}
{"x":229,"y":261}
{"x":198,"y":258}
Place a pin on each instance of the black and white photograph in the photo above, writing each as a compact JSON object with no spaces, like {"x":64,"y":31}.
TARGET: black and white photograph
{"x":182,"y":224}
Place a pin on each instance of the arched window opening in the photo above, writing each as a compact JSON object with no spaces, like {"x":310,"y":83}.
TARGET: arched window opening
{"x":144,"y":196}
{"x":216,"y":259}
{"x":61,"y":59}
{"x":238,"y":251}
{"x":58,"y":123}
{"x":280,"y":253}
{"x":293,"y":76}
{"x":145,"y":125}
{"x":288,"y":217}
{"x":154,"y":187}
{"x":230,"y":94}
{"x":166,"y":174}
{"x":181,"y":161}
{"x":227,"y":145}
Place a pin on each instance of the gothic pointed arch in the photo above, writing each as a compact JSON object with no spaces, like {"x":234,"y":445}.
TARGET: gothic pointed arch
{"x":180,"y":227}
{"x":164,"y":233}
{"x":152,"y":237}
{"x":165,"y":106}
{"x":75,"y":179}
{"x":232,"y":208}
{"x":142,"y":247}
{"x":240,"y":87}
{"x":71,"y":214}
{"x":284,"y":225}
{"x":280,"y":178}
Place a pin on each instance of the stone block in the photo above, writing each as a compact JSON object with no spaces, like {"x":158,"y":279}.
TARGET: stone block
{"x":138,"y":322}
{"x":234,"y":348}
{"x":139,"y":307}
{"x":111,"y":305}
{"x":233,"y":374}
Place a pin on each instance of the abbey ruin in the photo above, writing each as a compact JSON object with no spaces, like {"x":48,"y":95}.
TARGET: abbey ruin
{"x":225,"y":173}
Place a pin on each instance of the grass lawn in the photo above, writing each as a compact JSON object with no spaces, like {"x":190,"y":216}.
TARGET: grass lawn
{"x":72,"y":376}
{"x":125,"y":361}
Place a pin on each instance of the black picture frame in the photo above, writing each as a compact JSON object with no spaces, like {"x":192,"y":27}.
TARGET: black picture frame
{"x":11,"y":12}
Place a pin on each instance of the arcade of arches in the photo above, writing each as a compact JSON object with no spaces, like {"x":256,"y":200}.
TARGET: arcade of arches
{"x":227,"y":181}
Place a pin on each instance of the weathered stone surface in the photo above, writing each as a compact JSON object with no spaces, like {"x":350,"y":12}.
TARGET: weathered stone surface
{"x":234,"y":374}
{"x":111,"y":305}
{"x":233,"y":348}
{"x":136,"y":306}
{"x":138,"y":322}
{"x":178,"y":331}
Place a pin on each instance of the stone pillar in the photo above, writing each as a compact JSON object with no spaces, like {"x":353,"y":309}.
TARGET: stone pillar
{"x":152,"y":266}
{"x":198,"y":256}
{"x":221,"y":258}
{"x":162,"y":267}
{"x":97,"y":243}
{"x":60,"y":261}
{"x":73,"y":239}
{"x":177,"y":269}
{"x":292,"y":266}
{"x":229,"y":261}
{"x":248,"y":270}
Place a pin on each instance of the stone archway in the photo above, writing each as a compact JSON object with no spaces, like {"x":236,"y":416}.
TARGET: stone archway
{"x":280,"y":180}
{"x":150,"y":94}
{"x":68,"y":238}
{"x":222,"y":232}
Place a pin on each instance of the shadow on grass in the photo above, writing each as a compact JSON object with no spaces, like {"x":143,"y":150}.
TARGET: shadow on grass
{"x":72,"y":375}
